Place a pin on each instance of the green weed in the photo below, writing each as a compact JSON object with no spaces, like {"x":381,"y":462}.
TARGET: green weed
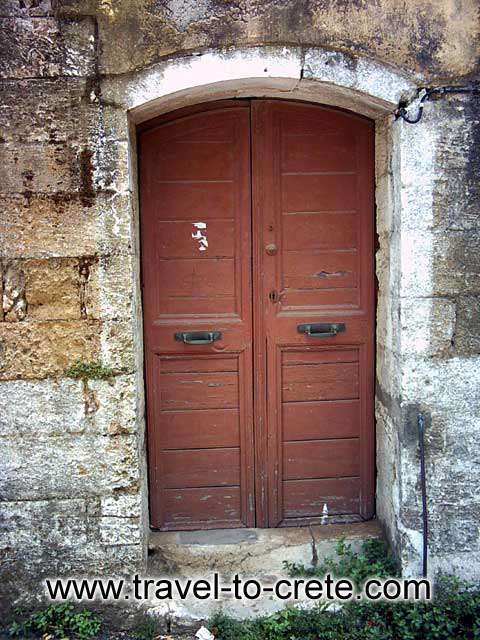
{"x":59,"y":621}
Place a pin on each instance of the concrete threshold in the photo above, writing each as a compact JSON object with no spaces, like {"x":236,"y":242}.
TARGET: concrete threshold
{"x":251,"y":553}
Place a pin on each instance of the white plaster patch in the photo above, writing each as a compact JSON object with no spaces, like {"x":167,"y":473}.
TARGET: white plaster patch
{"x":200,"y":234}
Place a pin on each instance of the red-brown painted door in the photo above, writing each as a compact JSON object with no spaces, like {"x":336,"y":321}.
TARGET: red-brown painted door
{"x":313,"y":212}
{"x":196,"y":245}
{"x":299,"y":404}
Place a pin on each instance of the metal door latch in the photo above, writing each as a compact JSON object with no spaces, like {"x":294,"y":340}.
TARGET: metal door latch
{"x":198,"y":337}
{"x":321,"y":330}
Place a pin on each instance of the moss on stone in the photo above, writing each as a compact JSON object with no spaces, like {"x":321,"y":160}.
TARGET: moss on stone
{"x":89,"y":371}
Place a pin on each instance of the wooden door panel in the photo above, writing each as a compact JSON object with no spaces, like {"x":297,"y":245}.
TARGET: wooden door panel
{"x":173,"y":239}
{"x":321,"y":419}
{"x":298,"y":300}
{"x":200,"y":429}
{"x":198,"y":391}
{"x":305,"y":192}
{"x":306,"y":498}
{"x":320,"y":270}
{"x":200,"y":508}
{"x":313,"y":202}
{"x":180,"y":200}
{"x":201,"y":468}
{"x":207,"y":160}
{"x":319,"y":230}
{"x":301,"y":151}
{"x":196,"y":247}
{"x":321,"y":459}
{"x":198,"y":278}
{"x":337,"y":381}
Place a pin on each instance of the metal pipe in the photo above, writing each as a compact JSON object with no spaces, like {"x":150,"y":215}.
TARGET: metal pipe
{"x":421,"y":441}
{"x":403,"y":113}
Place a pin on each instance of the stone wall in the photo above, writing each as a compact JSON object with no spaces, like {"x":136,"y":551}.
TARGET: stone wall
{"x":427,"y":358}
{"x":72,"y":450}
{"x":74,"y":483}
{"x":440,"y":328}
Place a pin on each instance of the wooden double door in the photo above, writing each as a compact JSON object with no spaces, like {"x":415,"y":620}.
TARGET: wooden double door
{"x":258,"y":292}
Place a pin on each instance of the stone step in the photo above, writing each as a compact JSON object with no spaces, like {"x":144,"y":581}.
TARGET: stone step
{"x":251,"y":553}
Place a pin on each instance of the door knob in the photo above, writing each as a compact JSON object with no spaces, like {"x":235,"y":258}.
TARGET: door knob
{"x":271,"y":249}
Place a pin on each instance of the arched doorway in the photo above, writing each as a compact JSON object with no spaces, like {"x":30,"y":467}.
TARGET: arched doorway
{"x":258,"y":290}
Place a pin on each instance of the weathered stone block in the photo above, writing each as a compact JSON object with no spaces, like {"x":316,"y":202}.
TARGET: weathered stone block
{"x":114,"y":123}
{"x":451,"y":386}
{"x":416,"y":263}
{"x":112,"y":167}
{"x":388,"y":310}
{"x":385,"y":205}
{"x":41,"y":523}
{"x":42,"y":349}
{"x":73,"y":8}
{"x":456,"y":263}
{"x":68,"y":466}
{"x":427,"y":326}
{"x":121,"y":505}
{"x":456,"y":202}
{"x":467,"y":326}
{"x":41,"y":408}
{"x":40,"y":226}
{"x":46,"y":349}
{"x":14,"y":301}
{"x":52,"y":288}
{"x":44,"y":168}
{"x":119,"y":344}
{"x":110,"y":288}
{"x":26,"y":8}
{"x":119,"y":531}
{"x":389,"y":371}
{"x":455,"y":528}
{"x":43,"y":47}
{"x":50,"y":110}
{"x":466,"y":564}
{"x":388,"y":487}
{"x":384,"y":146}
{"x":416,"y":183}
{"x":117,"y":400}
{"x":462,"y":451}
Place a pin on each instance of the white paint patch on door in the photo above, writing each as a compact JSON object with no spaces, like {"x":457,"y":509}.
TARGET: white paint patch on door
{"x":201,"y":235}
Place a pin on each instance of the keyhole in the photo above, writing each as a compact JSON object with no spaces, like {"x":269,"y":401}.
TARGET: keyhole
{"x":273,"y":295}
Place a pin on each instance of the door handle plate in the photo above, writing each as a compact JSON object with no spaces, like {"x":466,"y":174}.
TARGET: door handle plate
{"x":321,"y":330}
{"x":198,"y":337}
